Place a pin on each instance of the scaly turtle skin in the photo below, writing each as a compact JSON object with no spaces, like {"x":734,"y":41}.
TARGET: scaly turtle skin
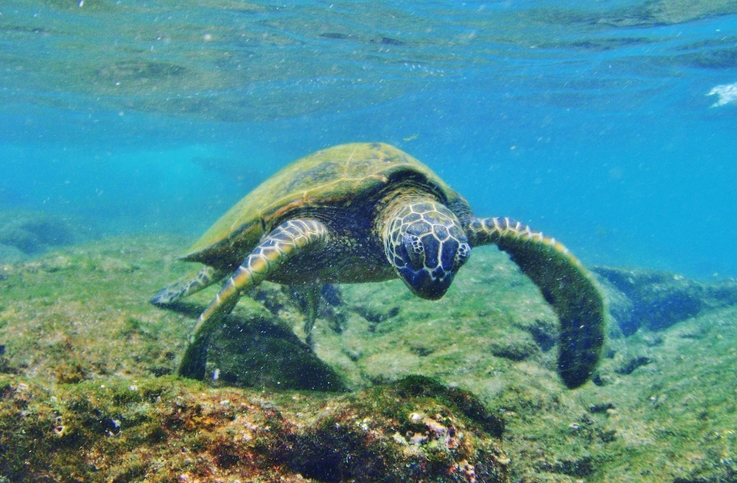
{"x":367,"y":213}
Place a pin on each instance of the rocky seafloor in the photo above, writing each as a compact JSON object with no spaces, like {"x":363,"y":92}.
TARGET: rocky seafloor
{"x":397,"y":388}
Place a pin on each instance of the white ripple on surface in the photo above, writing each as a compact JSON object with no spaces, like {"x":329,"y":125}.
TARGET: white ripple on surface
{"x":727,"y":94}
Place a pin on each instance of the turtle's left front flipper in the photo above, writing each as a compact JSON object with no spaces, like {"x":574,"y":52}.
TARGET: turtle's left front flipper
{"x":565,"y":284}
{"x":277,"y":248}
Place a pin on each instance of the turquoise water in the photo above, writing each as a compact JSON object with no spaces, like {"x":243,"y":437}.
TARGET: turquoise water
{"x":591,"y":121}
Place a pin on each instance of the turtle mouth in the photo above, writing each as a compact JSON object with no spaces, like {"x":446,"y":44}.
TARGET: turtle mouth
{"x":426,"y":284}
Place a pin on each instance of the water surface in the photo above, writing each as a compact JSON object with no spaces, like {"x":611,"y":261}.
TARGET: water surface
{"x":591,"y":121}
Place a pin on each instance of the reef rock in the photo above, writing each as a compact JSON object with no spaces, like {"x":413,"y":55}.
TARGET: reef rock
{"x":175,"y":430}
{"x":657,"y":299}
{"x":87,"y":392}
{"x":26,"y":232}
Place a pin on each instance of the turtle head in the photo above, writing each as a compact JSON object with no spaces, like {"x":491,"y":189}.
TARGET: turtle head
{"x":426,"y":244}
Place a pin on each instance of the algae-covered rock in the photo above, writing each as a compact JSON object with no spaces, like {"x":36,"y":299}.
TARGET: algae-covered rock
{"x":657,"y":299}
{"x":422,"y":430}
{"x":29,"y":232}
{"x":257,"y":352}
{"x":87,"y":391}
{"x":174,"y":430}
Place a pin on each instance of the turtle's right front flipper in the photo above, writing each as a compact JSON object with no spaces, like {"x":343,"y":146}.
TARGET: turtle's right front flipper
{"x":284,"y":242}
{"x":564,"y":283}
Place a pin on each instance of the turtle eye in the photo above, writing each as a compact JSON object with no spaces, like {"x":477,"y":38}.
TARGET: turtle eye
{"x":415,"y":250}
{"x":464,"y":251}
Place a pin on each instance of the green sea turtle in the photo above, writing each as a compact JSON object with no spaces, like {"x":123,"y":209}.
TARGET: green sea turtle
{"x":368,"y":213}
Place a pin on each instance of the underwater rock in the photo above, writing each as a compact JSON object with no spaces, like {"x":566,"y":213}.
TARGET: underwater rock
{"x":386,"y":41}
{"x":657,"y":299}
{"x":332,"y":295}
{"x":621,"y":309}
{"x":176,"y":430}
{"x":462,"y":400}
{"x":139,"y":70}
{"x":543,"y":332}
{"x":579,"y":468}
{"x":631,"y":364}
{"x":86,"y":392}
{"x":280,"y":299}
{"x":720,"y":294}
{"x":601,"y":408}
{"x":33,"y":232}
{"x":376,"y":313}
{"x":517,"y":350}
{"x":420,"y":429}
{"x":259,"y":352}
{"x":255,"y":346}
{"x":5,"y":367}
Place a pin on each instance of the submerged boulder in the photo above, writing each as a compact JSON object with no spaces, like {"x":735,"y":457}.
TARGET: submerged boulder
{"x":260,"y":352}
{"x":656,"y":299}
{"x":27,"y":232}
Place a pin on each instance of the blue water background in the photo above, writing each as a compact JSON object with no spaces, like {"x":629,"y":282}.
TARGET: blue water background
{"x":589,"y":121}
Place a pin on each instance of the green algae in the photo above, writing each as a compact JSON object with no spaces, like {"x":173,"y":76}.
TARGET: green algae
{"x":671,"y":420}
{"x":172,"y":429}
{"x":87,"y":389}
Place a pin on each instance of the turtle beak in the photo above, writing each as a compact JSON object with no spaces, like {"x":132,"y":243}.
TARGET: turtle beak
{"x":425,"y":284}
{"x":431,"y":264}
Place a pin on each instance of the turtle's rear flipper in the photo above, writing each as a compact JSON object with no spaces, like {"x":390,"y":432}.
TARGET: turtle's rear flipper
{"x":310,"y":294}
{"x":187,"y":286}
{"x":194,"y":360}
{"x":565,"y":284}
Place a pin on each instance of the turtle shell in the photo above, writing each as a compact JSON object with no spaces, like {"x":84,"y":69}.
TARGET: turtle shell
{"x":345,"y":174}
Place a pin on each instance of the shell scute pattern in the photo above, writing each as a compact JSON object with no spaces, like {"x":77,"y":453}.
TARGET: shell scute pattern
{"x":339,"y":176}
{"x":420,"y":226}
{"x":312,"y":177}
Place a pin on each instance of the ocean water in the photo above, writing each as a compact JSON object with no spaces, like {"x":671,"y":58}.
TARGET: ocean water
{"x":611,"y":125}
